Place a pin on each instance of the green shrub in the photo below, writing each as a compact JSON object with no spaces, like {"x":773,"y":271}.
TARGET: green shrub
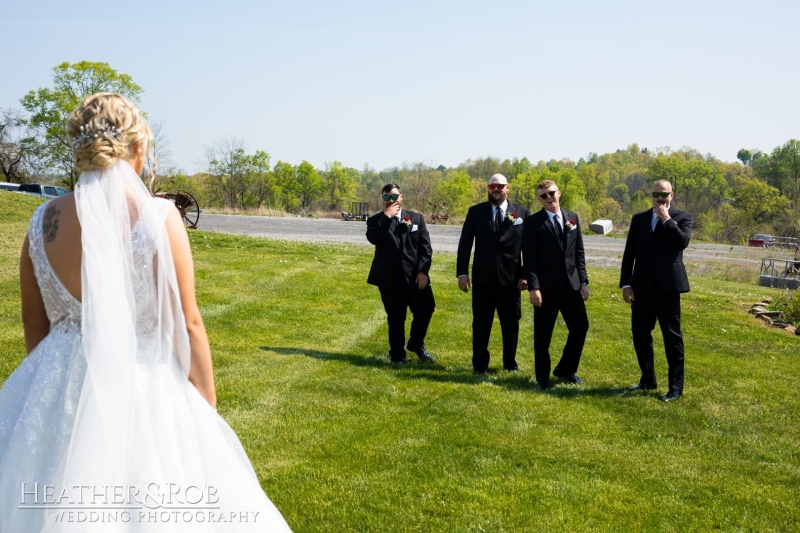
{"x":789,"y":303}
{"x":793,"y":308}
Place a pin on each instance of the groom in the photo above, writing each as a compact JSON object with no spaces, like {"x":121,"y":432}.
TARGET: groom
{"x":400,"y":271}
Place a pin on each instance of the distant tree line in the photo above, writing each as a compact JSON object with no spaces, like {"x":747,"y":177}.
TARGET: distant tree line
{"x":759,"y":193}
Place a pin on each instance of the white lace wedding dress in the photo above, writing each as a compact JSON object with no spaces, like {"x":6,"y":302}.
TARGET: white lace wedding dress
{"x":184,"y":468}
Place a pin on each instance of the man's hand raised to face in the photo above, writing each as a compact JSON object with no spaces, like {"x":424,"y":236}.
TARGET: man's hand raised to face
{"x":392,"y":210}
{"x":661,"y":211}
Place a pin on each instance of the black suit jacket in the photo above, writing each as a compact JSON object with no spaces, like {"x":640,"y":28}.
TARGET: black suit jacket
{"x":498,"y":255}
{"x":400,"y":251}
{"x":656,"y":258}
{"x":550,"y":264}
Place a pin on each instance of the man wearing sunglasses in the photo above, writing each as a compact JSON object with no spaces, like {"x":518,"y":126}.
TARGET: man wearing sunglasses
{"x":652,"y":280}
{"x":495,"y":227}
{"x":400,"y":271}
{"x":555,"y":266}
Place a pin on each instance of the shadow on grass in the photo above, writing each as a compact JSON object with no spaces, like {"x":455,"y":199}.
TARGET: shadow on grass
{"x":356,"y":360}
{"x":416,"y":370}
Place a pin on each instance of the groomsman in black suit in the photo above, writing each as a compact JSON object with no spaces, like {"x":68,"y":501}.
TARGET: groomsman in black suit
{"x":400,"y":271}
{"x":555,"y":265}
{"x":652,"y":280}
{"x":497,"y":278}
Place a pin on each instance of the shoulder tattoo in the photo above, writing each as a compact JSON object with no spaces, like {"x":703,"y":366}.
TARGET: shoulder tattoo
{"x":50,"y":225}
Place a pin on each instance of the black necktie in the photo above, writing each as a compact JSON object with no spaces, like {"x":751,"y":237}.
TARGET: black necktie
{"x":557,"y":225}
{"x":498,"y":219}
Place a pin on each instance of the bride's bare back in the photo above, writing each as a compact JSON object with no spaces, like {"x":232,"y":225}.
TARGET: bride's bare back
{"x":61,"y":232}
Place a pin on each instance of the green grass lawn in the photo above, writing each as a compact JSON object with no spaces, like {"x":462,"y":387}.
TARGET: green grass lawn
{"x":343,"y":441}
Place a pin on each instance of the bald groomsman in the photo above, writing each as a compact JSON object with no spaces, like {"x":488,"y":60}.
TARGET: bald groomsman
{"x":495,"y":226}
{"x":652,"y":280}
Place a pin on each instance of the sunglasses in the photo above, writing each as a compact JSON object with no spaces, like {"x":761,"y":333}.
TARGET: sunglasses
{"x":393,"y":197}
{"x":661,"y":194}
{"x":551,"y":194}
{"x":497,"y":186}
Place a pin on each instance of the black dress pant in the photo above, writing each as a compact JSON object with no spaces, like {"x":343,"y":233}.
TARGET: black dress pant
{"x":572,"y":307}
{"x":665,"y":307}
{"x":396,"y":300}
{"x":486,"y":298}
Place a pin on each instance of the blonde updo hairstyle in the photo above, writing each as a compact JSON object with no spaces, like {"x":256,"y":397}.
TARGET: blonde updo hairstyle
{"x":102,"y":130}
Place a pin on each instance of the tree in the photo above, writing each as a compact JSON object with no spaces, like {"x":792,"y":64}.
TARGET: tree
{"x":512,"y":168}
{"x":310,"y":186}
{"x":782,"y":170}
{"x":368,"y":188}
{"x":725,"y":224}
{"x":522,"y":188}
{"x":50,"y":108}
{"x":157,"y":177}
{"x":482,"y":168}
{"x":745,"y":156}
{"x":263,"y":185}
{"x":760,"y":202}
{"x":339,"y":183}
{"x":621,"y":194}
{"x":596,"y":184}
{"x":229,"y":170}
{"x":671,"y":168}
{"x":419,"y":180}
{"x":703,"y":186}
{"x":573,"y":191}
{"x":456,"y":189}
{"x":607,"y":208}
{"x":286,"y":182}
{"x":13,"y":150}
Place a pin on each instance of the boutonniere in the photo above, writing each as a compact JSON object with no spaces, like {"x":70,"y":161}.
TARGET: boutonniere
{"x":511,"y":216}
{"x":569,"y":225}
{"x":407,"y":222}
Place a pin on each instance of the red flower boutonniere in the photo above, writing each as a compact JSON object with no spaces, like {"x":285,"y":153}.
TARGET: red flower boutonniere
{"x":407,"y":222}
{"x":511,"y":216}
{"x":569,"y":225}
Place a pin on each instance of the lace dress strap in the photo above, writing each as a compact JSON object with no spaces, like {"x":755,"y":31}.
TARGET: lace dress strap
{"x":62,"y":308}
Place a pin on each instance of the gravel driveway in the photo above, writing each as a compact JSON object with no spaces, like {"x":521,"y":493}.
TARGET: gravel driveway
{"x":736,"y":262}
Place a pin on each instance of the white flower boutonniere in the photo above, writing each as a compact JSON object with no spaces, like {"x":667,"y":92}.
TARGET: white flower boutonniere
{"x":511,"y":216}
{"x":407,"y":222}
{"x":570,"y":225}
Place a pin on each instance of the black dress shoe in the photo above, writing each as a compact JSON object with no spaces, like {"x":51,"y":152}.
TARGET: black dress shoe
{"x":643,"y":386}
{"x":424,"y":355}
{"x":671,"y":395}
{"x":545,"y":386}
{"x":398,"y":362}
{"x":569,"y":378}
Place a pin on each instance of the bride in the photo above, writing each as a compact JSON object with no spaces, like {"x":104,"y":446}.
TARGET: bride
{"x":110,"y":424}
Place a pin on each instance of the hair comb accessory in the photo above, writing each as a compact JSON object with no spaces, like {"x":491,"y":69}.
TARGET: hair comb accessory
{"x":87,"y":134}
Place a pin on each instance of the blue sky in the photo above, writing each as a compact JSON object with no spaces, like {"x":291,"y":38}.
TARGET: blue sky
{"x":440,"y":82}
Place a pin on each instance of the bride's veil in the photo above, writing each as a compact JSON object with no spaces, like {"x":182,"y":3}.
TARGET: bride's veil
{"x":132,"y":318}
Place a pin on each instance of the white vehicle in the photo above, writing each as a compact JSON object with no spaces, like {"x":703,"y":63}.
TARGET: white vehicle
{"x":6,"y":186}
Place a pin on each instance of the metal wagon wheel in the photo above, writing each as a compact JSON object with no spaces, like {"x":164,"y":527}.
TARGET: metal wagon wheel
{"x":186,"y":205}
